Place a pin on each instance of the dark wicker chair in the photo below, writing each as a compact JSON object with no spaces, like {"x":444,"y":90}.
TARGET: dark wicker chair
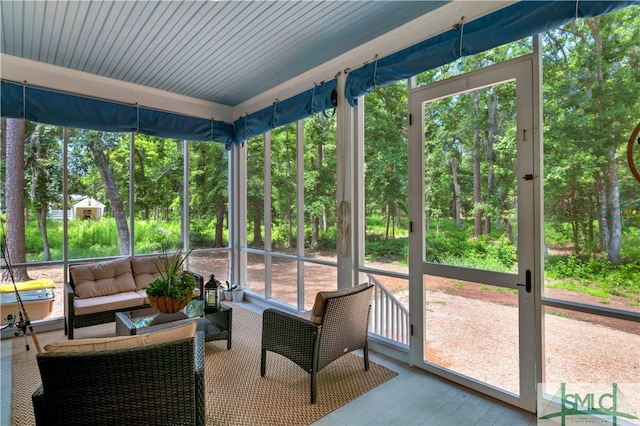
{"x":341,"y":329}
{"x":159,"y":384}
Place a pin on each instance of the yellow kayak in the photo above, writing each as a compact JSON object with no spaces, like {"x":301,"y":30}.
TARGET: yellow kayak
{"x":38,"y":284}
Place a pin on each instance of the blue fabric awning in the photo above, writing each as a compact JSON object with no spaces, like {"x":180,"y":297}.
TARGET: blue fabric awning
{"x":63,"y":109}
{"x":319,"y":99}
{"x":522,"y":19}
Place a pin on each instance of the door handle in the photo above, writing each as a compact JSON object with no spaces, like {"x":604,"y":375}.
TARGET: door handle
{"x":527,"y":284}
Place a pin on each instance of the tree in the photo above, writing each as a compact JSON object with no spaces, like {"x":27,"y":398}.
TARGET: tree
{"x":593,"y":69}
{"x":44,"y":175}
{"x":319,"y":174}
{"x":98,"y":145}
{"x":255,"y":189}
{"x":15,"y":199}
{"x":209,"y":186}
{"x":386,"y":136}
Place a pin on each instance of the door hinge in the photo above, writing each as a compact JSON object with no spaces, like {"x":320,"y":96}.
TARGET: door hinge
{"x":410,"y":227}
{"x":410,"y":119}
{"x":411,"y":331}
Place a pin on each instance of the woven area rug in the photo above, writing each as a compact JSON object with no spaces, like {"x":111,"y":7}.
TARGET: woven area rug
{"x":235,"y":392}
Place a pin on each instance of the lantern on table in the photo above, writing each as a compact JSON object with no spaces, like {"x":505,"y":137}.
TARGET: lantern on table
{"x":212,"y":294}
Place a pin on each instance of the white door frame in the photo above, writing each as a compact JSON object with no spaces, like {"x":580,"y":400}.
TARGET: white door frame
{"x":526,"y":72}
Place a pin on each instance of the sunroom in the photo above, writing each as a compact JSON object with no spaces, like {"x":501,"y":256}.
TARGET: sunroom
{"x":297,"y":147}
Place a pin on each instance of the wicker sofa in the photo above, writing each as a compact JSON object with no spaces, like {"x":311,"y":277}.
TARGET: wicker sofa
{"x":337,"y":324}
{"x":96,"y":291}
{"x":158,"y":381}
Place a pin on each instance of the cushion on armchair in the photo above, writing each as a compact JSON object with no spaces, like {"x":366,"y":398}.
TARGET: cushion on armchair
{"x":123,"y":342}
{"x":322,"y":296}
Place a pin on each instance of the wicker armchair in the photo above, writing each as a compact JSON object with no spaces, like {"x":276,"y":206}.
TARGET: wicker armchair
{"x":339,"y":326}
{"x":158,"y":384}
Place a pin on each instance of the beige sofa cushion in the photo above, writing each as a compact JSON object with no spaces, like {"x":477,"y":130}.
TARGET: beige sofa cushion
{"x":146,"y":269}
{"x":322,"y":296}
{"x":102,"y":278}
{"x":185,"y":331}
{"x":112,"y":302}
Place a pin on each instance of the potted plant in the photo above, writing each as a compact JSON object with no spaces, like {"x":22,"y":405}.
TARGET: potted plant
{"x":238,"y":294}
{"x":228,"y":291}
{"x":172,"y":290}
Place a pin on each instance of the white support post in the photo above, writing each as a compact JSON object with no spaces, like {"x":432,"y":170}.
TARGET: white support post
{"x":345,"y":211}
{"x":300,"y":210}
{"x":237,"y":213}
{"x":357,"y":174}
{"x":186,"y":217}
{"x":132,"y":193}
{"x":267,"y":215}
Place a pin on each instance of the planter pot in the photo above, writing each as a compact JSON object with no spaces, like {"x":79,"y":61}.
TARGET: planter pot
{"x":166,"y":304}
{"x":227,"y":295}
{"x":238,"y":295}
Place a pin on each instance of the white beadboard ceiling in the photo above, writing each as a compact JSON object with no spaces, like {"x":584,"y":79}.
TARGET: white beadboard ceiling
{"x":224,"y":52}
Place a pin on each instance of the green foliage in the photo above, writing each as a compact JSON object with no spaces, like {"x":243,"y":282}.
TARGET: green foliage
{"x":503,"y":251}
{"x":595,"y":276}
{"x":153,"y":236}
{"x":444,"y":245}
{"x":202,"y":232}
{"x":173,"y":281}
{"x":99,"y":238}
{"x":390,"y":249}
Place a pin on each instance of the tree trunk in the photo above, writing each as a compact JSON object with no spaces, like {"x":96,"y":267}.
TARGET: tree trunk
{"x":141,"y":188}
{"x":114,"y":197}
{"x":315,"y":231}
{"x":509,"y":229}
{"x":315,"y":221}
{"x":477,"y":197}
{"x":16,"y":247}
{"x":615,"y":227}
{"x":456,"y":192}
{"x":220,"y":213}
{"x":257,"y":220}
{"x":42,"y":224}
{"x":576,"y":238}
{"x":386,"y":233}
{"x":602,"y":216}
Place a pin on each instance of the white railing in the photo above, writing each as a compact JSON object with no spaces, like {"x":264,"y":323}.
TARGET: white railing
{"x":389,"y":316}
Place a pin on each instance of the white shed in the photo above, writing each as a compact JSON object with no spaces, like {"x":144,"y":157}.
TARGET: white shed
{"x":88,"y":208}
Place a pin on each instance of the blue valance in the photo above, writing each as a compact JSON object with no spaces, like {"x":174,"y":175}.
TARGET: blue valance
{"x":513,"y":22}
{"x":522,"y":19}
{"x":63,"y":109}
{"x":317,"y":100}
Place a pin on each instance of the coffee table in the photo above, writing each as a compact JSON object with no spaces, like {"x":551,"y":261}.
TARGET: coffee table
{"x":216,"y":325}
